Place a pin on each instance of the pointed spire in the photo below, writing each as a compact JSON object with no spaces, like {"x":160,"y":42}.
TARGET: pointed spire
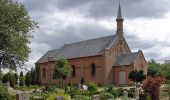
{"x":119,"y":15}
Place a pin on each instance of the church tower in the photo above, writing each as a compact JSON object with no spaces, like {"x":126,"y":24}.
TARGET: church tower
{"x":119,"y":20}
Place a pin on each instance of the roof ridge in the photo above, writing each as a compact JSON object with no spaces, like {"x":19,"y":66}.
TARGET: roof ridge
{"x":90,"y":39}
{"x":129,"y":53}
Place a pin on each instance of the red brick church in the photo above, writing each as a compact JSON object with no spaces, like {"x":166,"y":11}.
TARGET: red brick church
{"x":105,"y":60}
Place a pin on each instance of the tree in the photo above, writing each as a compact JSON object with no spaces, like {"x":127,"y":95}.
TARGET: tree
{"x":15,"y":33}
{"x":154,"y":68}
{"x":28,"y":79}
{"x":5,"y":78}
{"x":21,"y":79}
{"x":11,"y":78}
{"x":1,"y":75}
{"x":152,"y":86}
{"x":137,"y":76}
{"x":16,"y":78}
{"x":33,"y":76}
{"x":61,"y":70}
{"x":38,"y":73}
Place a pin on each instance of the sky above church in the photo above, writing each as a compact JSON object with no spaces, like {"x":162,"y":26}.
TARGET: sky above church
{"x":146,"y":24}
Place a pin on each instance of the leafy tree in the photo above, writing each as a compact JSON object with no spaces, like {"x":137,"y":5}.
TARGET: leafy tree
{"x":28,"y":79}
{"x":21,"y":79}
{"x":5,"y":78}
{"x":137,"y":76}
{"x":154,"y":68}
{"x":16,"y":78}
{"x":33,"y":76}
{"x":1,"y":75}
{"x":152,"y":86}
{"x":15,"y":33}
{"x":62,"y":70}
{"x":11,"y":78}
{"x":38,"y":73}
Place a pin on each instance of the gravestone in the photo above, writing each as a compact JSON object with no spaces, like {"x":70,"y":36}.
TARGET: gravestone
{"x":0,"y":83}
{"x":95,"y":97}
{"x":8,"y":84}
{"x":85,"y":87}
{"x":59,"y":98}
{"x":22,"y":96}
{"x":125,"y":93}
{"x":80,"y":86}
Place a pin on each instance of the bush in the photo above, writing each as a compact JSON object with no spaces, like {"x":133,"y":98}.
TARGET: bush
{"x":81,"y":97}
{"x":144,"y":97}
{"x":130,"y":95}
{"x":73,"y":91}
{"x":117,"y":92}
{"x":52,"y":96}
{"x":92,"y":86}
{"x":106,"y":96}
{"x":125,"y":98}
{"x":4,"y":95}
{"x":51,"y":88}
{"x":109,"y":89}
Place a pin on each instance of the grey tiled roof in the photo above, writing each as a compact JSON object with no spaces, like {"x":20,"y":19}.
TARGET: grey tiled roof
{"x":80,"y":49}
{"x":85,"y":48}
{"x":126,"y":59}
{"x":48,"y":56}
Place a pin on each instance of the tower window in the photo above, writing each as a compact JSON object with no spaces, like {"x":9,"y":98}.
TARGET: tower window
{"x":44,"y":73}
{"x":73,"y":71}
{"x":93,"y":69}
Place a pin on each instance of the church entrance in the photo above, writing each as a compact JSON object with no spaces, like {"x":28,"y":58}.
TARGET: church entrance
{"x":122,"y":78}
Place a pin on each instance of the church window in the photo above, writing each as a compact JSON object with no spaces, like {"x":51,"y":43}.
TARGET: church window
{"x":73,"y":71}
{"x":93,"y":69}
{"x":44,"y":73}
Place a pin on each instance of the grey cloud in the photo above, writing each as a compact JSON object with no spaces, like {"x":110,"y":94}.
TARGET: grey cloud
{"x":103,"y":8}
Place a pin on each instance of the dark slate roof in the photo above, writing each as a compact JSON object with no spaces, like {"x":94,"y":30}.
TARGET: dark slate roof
{"x":85,"y":48}
{"x":48,"y":56}
{"x":126,"y":59}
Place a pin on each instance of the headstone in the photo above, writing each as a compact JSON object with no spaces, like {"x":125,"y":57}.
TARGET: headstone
{"x":125,"y":93}
{"x":80,"y":86}
{"x":22,"y":96}
{"x":85,"y":87}
{"x":8,"y":84}
{"x":59,"y":98}
{"x":0,"y":83}
{"x":95,"y":97}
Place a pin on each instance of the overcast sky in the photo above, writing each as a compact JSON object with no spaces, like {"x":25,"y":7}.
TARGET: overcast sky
{"x":146,"y":24}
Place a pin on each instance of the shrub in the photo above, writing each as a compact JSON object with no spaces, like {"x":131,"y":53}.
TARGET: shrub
{"x":130,"y":95}
{"x":51,"y":88}
{"x":52,"y":96}
{"x":125,"y":98}
{"x":106,"y":96}
{"x":73,"y":91}
{"x":109,"y":89}
{"x":81,"y":97}
{"x":144,"y":97}
{"x":116,"y":93}
{"x":92,"y":86}
{"x":4,"y":95}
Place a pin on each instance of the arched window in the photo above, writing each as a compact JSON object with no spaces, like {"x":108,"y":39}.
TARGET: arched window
{"x":44,"y":73}
{"x":73,"y":71}
{"x":93,"y":69}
